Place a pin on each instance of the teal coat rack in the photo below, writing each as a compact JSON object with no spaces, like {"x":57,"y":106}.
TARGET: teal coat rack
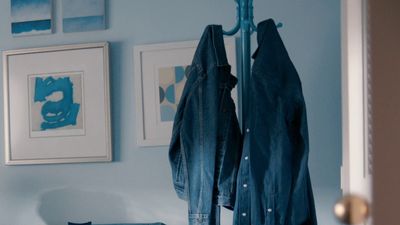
{"x":244,"y":23}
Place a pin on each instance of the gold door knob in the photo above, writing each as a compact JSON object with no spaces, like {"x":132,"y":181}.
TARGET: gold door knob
{"x":352,"y":210}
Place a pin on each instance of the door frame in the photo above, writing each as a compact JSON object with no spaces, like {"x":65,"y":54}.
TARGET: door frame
{"x":356,"y":174}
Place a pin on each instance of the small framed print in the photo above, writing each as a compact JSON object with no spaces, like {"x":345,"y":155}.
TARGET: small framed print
{"x":83,"y":15}
{"x":160,"y":76}
{"x":30,"y":17}
{"x":56,"y":104}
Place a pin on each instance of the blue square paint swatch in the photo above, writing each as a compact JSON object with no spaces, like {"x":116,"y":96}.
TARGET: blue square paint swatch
{"x":83,"y":15}
{"x":31,"y":17}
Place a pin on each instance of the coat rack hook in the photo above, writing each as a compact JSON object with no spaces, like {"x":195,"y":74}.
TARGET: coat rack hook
{"x":237,"y":26}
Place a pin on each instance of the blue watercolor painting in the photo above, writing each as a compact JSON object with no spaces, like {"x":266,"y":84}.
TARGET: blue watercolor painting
{"x":56,"y":102}
{"x":31,"y":17}
{"x":83,"y":15}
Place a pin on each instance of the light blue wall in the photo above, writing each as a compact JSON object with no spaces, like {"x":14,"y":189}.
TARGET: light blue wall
{"x":137,"y":186}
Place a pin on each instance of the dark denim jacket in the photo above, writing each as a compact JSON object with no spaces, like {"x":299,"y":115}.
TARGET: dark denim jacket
{"x":206,"y":147}
{"x":274,"y":185}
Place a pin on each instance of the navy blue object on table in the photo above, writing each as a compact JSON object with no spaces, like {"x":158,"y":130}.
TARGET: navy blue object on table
{"x":87,"y":223}
{"x":132,"y":224}
{"x":206,"y":142}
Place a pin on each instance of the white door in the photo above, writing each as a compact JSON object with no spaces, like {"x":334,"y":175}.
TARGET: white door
{"x":371,"y":107}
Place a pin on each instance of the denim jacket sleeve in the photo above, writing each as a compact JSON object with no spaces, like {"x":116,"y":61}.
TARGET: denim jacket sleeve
{"x":302,"y":203}
{"x":176,"y":153}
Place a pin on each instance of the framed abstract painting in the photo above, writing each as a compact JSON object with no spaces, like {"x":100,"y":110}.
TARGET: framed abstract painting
{"x":160,"y":76}
{"x":56,"y":104}
{"x":83,"y":15}
{"x":31,"y":17}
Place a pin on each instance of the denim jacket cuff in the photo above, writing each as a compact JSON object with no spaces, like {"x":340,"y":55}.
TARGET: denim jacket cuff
{"x":226,"y":201}
{"x":199,"y":219}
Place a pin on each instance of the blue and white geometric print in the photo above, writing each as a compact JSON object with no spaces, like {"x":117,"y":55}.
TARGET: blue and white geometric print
{"x":171,"y":83}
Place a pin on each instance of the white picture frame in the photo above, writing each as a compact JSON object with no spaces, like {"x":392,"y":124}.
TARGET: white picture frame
{"x":57,"y":104}
{"x":152,"y":62}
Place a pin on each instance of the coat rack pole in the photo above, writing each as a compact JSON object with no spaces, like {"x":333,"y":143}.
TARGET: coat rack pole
{"x":244,"y":76}
{"x":246,"y":26}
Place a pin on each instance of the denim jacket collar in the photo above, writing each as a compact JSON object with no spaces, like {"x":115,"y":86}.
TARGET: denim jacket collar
{"x":214,"y":48}
{"x":269,"y":43}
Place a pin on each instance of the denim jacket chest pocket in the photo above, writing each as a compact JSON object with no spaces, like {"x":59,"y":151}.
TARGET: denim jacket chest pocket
{"x":226,"y":101}
{"x":226,"y":104}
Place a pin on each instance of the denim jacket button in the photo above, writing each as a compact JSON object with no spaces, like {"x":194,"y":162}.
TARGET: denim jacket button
{"x":245,"y":185}
{"x":247,"y":130}
{"x":269,"y":210}
{"x":244,"y":214}
{"x":246,"y":158}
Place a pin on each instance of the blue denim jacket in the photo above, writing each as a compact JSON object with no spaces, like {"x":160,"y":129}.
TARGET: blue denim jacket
{"x":274,"y":185}
{"x":205,"y":148}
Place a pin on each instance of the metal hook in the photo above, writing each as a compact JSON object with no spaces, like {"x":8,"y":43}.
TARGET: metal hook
{"x":251,"y":14}
{"x":253,"y":27}
{"x":237,"y":26}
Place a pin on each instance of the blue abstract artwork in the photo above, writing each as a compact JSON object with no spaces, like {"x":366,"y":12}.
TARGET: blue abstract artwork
{"x":171,"y":83}
{"x":31,"y":17}
{"x":56,"y":102}
{"x":83,"y":15}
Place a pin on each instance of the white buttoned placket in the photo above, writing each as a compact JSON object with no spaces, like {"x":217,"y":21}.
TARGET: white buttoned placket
{"x":244,"y":194}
